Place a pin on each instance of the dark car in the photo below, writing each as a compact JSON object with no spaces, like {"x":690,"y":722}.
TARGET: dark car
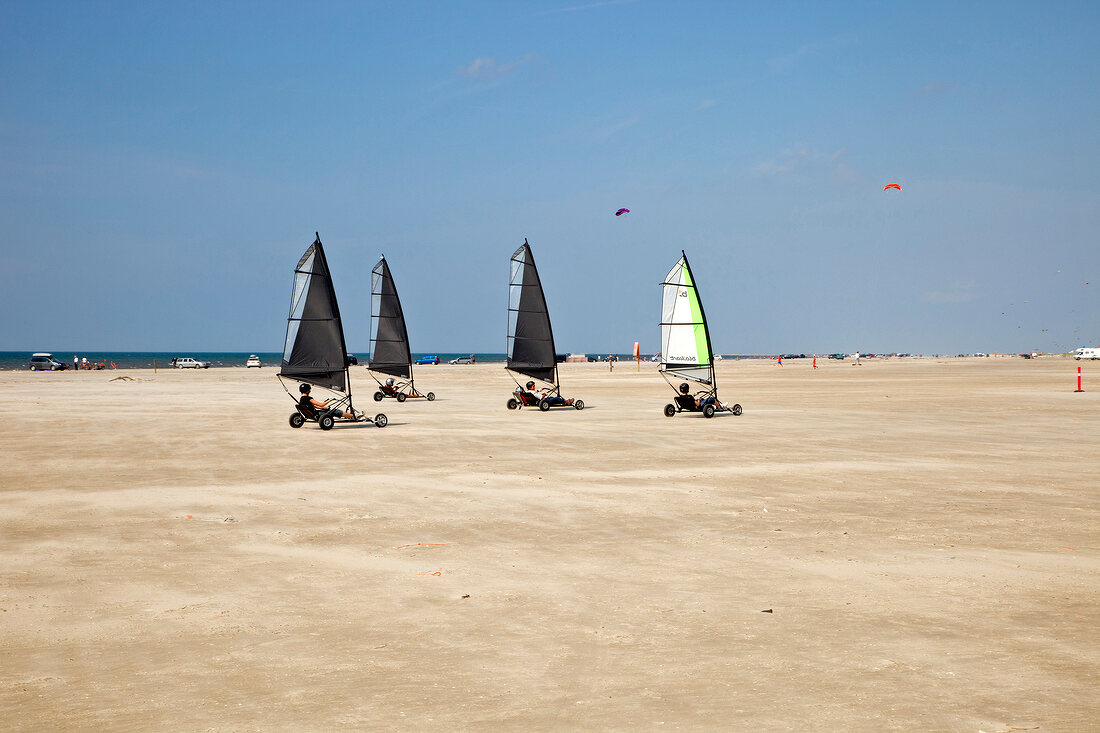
{"x":427,"y":360}
{"x":45,"y":363}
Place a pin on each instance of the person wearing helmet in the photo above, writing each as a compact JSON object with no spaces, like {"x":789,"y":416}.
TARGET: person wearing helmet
{"x":687,"y":401}
{"x":313,"y":409}
{"x":388,"y":388}
{"x":554,"y":400}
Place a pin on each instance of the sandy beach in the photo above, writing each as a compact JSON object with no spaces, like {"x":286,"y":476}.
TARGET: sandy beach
{"x":902,"y":545}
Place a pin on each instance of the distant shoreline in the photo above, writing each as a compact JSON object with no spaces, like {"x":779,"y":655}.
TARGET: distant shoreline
{"x":18,"y":360}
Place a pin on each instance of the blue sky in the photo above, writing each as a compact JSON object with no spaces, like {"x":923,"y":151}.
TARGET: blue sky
{"x":164,"y":165}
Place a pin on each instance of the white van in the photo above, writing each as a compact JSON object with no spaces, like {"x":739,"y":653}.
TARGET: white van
{"x":1087,"y":354}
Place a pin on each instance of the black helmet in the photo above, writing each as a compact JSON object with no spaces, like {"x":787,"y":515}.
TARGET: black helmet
{"x":684,"y":387}
{"x":530,"y":385}
{"x":303,"y":387}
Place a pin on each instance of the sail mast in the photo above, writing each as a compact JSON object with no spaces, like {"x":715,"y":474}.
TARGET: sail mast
{"x":314,"y":350}
{"x":390,"y":353}
{"x":530,"y":337}
{"x":703,"y":317}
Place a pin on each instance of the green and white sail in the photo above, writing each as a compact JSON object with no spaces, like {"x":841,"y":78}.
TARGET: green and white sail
{"x":685,"y":340}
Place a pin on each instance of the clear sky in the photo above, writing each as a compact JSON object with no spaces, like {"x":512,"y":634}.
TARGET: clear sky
{"x":164,"y":165}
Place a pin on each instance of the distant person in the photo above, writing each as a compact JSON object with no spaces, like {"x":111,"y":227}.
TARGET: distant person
{"x":779,"y":361}
{"x":76,"y":363}
{"x":314,"y":409}
{"x":857,"y":361}
{"x":83,"y":362}
{"x":610,"y":363}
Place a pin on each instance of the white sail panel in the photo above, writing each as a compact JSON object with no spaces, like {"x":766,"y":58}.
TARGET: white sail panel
{"x":685,"y":343}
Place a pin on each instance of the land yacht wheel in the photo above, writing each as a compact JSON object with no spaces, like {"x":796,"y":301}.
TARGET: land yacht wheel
{"x":512,"y":404}
{"x":400,"y":396}
{"x":430,"y":396}
{"x":544,"y":405}
{"x":381,"y":420}
{"x":708,"y":410}
{"x":296,"y":420}
{"x":327,"y":422}
{"x":378,"y":396}
{"x":579,"y":404}
{"x":736,"y":409}
{"x":670,"y":410}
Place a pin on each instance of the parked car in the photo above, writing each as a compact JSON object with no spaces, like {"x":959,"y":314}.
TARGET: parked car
{"x":463,"y":360}
{"x":427,"y":360}
{"x":43,"y":362}
{"x":186,"y":362}
{"x":841,"y":357}
{"x":253,"y":361}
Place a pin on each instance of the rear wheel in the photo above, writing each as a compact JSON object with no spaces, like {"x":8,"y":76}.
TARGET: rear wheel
{"x":381,"y":420}
{"x":544,"y":405}
{"x":708,"y":410}
{"x":400,"y":396}
{"x":378,"y":396}
{"x":736,"y":409}
{"x":327,"y":422}
{"x":512,"y":404}
{"x":430,"y":396}
{"x":296,"y":420}
{"x":579,"y":404}
{"x":670,"y":410}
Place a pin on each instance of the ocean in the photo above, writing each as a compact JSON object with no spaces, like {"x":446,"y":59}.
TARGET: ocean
{"x":18,"y":360}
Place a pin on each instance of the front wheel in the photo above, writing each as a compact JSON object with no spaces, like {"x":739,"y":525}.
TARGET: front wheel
{"x":708,"y":410}
{"x":736,"y":409}
{"x":400,"y":396}
{"x":430,"y":396}
{"x":670,"y":410}
{"x":512,"y":404}
{"x":378,"y":396}
{"x":544,"y":405}
{"x":381,"y":420}
{"x":327,"y":422}
{"x":579,"y":404}
{"x":296,"y":420}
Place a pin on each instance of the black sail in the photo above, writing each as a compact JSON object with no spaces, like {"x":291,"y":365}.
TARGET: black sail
{"x":530,"y":340}
{"x":314,"y":351}
{"x":389,"y":343}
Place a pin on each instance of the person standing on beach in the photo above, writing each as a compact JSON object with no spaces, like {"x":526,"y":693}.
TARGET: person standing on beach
{"x":76,"y":363}
{"x":779,"y":361}
{"x":610,"y":363}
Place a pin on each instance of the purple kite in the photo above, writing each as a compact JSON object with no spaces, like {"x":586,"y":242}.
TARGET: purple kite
{"x":620,"y":212}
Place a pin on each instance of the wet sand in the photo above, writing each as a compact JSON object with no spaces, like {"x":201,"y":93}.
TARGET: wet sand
{"x":901,"y":545}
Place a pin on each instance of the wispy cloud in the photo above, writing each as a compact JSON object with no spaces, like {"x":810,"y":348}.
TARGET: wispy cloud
{"x":788,"y":61}
{"x":960,"y":293}
{"x":937,"y":87}
{"x":589,"y":6}
{"x":486,"y":67}
{"x":799,"y":158}
{"x":705,"y":104}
